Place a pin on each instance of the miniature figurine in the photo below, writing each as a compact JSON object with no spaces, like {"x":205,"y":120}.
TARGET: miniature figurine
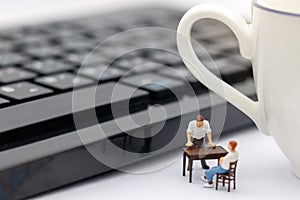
{"x":223,"y":166}
{"x":197,"y":129}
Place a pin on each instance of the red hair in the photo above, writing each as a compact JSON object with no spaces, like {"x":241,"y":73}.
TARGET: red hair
{"x":200,"y":118}
{"x":233,"y":144}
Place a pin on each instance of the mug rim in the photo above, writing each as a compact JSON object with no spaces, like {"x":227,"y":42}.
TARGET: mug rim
{"x":256,"y":4}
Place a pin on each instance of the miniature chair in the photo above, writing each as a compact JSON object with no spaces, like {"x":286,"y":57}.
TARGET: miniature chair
{"x":228,"y":177}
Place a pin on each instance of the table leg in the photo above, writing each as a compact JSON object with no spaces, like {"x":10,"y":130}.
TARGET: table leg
{"x":191,"y":168}
{"x":184,"y":163}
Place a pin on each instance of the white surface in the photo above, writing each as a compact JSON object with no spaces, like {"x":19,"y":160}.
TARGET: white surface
{"x":30,"y":11}
{"x":264,"y":173}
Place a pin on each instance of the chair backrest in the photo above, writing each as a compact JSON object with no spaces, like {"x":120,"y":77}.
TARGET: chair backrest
{"x":232,"y":168}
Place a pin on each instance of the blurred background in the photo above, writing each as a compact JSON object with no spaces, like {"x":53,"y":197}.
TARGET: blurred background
{"x":31,"y":11}
{"x":255,"y":182}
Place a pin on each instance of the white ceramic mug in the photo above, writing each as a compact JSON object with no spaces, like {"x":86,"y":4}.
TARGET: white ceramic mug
{"x":272,"y":42}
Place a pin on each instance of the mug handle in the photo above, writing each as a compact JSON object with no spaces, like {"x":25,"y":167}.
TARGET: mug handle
{"x":243,"y":32}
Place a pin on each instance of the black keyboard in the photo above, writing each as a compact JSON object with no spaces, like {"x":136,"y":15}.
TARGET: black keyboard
{"x":56,"y":88}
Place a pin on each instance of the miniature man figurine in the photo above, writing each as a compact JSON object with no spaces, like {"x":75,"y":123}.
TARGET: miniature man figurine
{"x":223,"y":166}
{"x":197,"y":129}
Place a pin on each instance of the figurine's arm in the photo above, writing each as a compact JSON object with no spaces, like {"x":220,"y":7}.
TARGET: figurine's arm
{"x":188,"y":138}
{"x":189,"y":135}
{"x":210,"y":142}
{"x":221,"y":160}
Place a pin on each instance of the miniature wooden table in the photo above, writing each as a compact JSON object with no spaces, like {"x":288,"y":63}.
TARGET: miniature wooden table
{"x":204,"y":153}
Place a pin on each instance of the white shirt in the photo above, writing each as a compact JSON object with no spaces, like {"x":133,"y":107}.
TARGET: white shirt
{"x":230,"y":157}
{"x":198,"y":132}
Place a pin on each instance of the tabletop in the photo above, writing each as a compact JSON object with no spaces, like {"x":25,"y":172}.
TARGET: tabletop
{"x":205,"y":152}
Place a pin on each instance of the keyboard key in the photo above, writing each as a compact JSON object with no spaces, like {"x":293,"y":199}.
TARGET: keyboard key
{"x":12,"y":34}
{"x":48,"y":66}
{"x":35,"y":32}
{"x":182,"y":73}
{"x":5,"y":46}
{"x":43,"y":52}
{"x":233,"y":70}
{"x":3,"y":101}
{"x":209,"y":28}
{"x":167,"y":58}
{"x":88,"y":59}
{"x":30,"y":43}
{"x":43,"y":114}
{"x":224,"y":44}
{"x":11,"y":59}
{"x":12,"y":74}
{"x":78,"y":45}
{"x":23,"y":90}
{"x":138,"y":65}
{"x":148,"y":67}
{"x":238,"y":60}
{"x":222,"y":48}
{"x":68,"y":38}
{"x":112,"y":51}
{"x":162,"y":89}
{"x":101,"y":73}
{"x":129,"y":63}
{"x":64,"y":81}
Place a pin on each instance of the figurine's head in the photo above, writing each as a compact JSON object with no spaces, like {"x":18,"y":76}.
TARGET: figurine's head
{"x":232,"y":145}
{"x":200,"y":120}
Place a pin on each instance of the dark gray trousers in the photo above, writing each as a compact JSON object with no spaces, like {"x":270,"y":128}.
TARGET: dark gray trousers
{"x":197,"y":143}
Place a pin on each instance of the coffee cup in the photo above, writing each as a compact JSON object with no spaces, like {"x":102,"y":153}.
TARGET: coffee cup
{"x":272,"y":42}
